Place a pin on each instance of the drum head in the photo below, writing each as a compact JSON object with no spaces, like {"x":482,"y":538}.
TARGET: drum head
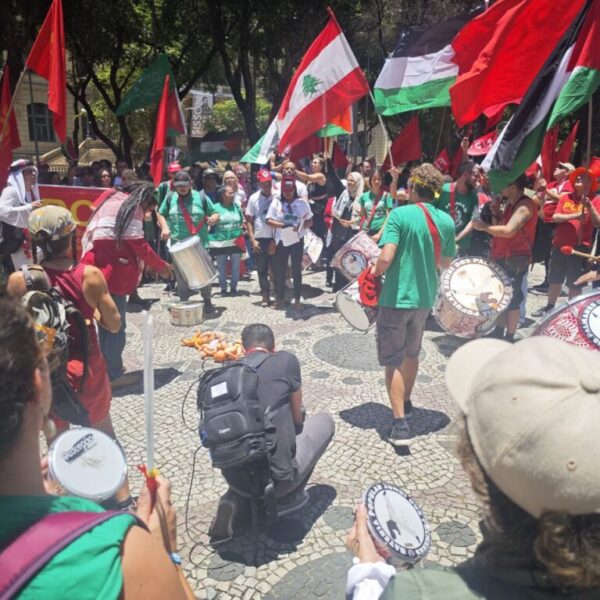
{"x":354,"y":313}
{"x":395,"y":521}
{"x":183,"y":244}
{"x":476,"y":287}
{"x":87,"y":463}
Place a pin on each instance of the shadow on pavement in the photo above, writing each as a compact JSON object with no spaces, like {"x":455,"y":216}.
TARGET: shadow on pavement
{"x":448,"y":344}
{"x":162,"y":376}
{"x":372,"y":415}
{"x":272,"y":539}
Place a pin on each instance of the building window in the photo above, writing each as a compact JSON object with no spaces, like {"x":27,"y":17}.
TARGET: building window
{"x":40,"y":118}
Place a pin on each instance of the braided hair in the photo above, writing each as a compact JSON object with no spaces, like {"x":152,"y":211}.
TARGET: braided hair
{"x":140,"y":192}
{"x":20,"y":356}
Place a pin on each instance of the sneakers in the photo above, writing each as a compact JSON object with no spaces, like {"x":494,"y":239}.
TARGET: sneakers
{"x":400,"y":434}
{"x":222,"y":525}
{"x":542,"y":311}
{"x":292,"y":503}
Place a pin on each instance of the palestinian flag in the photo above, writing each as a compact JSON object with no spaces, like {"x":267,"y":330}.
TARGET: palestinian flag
{"x":327,"y":81}
{"x":259,"y":153}
{"x":566,"y":81}
{"x":421,"y":68}
{"x":216,"y":146}
{"x":340,"y":125}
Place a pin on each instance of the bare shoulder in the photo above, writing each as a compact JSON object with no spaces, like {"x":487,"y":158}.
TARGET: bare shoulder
{"x":148,"y":573}
{"x":16,"y":286}
{"x":92,"y":276}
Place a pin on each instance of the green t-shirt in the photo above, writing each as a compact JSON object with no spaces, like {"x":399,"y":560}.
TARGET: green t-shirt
{"x":385,"y":203}
{"x":411,"y":280}
{"x":464,"y":204}
{"x":228,"y":227}
{"x":164,"y":187}
{"x":88,"y":568}
{"x":195,"y":203}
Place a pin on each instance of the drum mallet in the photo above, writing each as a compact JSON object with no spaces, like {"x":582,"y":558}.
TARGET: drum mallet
{"x":571,"y":250}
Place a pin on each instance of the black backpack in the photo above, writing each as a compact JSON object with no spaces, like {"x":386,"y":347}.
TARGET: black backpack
{"x":11,"y":239}
{"x":53,"y":316}
{"x":233,"y":426}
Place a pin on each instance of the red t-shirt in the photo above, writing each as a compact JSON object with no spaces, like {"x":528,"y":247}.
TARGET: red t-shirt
{"x":567,"y":234}
{"x":549,"y":208}
{"x":522,"y":242}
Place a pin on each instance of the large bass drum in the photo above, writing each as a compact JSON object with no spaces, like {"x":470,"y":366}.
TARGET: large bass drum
{"x":194,"y":262}
{"x":576,"y":322}
{"x":348,"y":303}
{"x":355,"y":255}
{"x":473,"y":293}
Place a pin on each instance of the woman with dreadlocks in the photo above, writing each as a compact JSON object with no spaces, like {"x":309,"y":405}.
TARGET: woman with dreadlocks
{"x":114,"y":242}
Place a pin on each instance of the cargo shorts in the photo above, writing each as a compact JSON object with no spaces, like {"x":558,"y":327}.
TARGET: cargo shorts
{"x":399,"y":334}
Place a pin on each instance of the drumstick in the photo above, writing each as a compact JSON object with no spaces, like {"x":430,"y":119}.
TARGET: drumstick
{"x":571,"y":250}
{"x":148,"y":470}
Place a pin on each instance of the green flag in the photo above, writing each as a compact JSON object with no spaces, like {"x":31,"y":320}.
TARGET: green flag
{"x":148,"y":88}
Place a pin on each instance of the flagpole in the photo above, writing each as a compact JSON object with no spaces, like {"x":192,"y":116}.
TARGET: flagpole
{"x":439,"y":140}
{"x":33,"y":111}
{"x":588,"y":149}
{"x":385,"y":133}
{"x":12,"y":102}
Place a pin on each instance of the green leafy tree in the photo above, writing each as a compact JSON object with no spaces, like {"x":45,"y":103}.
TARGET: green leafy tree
{"x":226,"y":117}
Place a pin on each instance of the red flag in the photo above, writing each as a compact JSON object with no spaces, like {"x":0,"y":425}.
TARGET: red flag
{"x":549,"y":153}
{"x":442,"y":162}
{"x":532,"y":170}
{"x":175,"y":120}
{"x":307,"y":147}
{"x":491,"y":71}
{"x":47,"y":59}
{"x":481,"y":146}
{"x":595,"y":166}
{"x":10,"y":139}
{"x":566,"y":149}
{"x":157,"y":157}
{"x":406,"y":146}
{"x":338,"y":158}
{"x":494,"y":116}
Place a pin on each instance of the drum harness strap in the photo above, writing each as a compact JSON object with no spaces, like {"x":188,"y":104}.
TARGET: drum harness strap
{"x":435,"y":234}
{"x":194,"y":229}
{"x":453,"y":201}
{"x":375,"y":204}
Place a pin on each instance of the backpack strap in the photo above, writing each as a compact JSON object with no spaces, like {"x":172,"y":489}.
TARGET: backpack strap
{"x":435,"y":234}
{"x":35,"y":278}
{"x":37,"y":546}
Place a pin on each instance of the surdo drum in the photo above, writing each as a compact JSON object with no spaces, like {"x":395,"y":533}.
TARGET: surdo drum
{"x":576,"y":322}
{"x":355,"y":255}
{"x":194,"y":262}
{"x":397,"y":523}
{"x":348,"y":303}
{"x":87,"y":463}
{"x":473,"y":293}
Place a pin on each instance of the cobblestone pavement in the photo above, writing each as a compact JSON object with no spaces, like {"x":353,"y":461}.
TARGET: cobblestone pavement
{"x":302,"y":556}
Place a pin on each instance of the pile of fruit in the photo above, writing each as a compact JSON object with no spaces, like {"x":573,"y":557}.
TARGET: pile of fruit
{"x":212,"y":344}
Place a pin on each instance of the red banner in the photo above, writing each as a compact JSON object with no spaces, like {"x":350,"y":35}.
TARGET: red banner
{"x":78,"y":200}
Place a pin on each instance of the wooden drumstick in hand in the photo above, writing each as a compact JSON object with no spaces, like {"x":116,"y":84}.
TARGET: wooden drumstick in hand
{"x":571,"y":250}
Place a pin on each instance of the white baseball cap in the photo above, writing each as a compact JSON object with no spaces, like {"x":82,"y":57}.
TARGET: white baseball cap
{"x":533,"y":416}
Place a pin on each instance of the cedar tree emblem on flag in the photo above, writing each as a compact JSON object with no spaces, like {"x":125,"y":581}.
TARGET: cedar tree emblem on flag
{"x":310,"y":85}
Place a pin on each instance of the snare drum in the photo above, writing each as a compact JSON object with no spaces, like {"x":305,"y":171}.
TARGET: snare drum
{"x":576,"y":322}
{"x":313,"y":247}
{"x":473,"y":293}
{"x":194,"y":262}
{"x":397,"y":523}
{"x":355,"y":255}
{"x":87,"y":463}
{"x":186,"y":314}
{"x":348,"y":303}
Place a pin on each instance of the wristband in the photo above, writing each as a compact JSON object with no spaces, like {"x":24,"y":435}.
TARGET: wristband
{"x":175,"y":558}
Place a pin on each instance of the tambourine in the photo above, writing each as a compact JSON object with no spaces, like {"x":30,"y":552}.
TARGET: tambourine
{"x":397,"y":523}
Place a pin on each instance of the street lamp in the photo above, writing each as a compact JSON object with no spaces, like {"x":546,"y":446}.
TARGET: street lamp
{"x":84,"y":123}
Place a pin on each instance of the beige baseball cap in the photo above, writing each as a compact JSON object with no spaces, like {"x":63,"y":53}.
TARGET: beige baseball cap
{"x":533,"y":415}
{"x":566,"y":165}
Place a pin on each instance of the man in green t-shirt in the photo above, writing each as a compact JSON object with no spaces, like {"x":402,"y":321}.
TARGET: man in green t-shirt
{"x":179,"y":210}
{"x":408,"y":259}
{"x":460,"y":201}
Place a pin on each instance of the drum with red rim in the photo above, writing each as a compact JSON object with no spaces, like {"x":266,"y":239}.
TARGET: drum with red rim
{"x":576,"y":322}
{"x":473,"y":293}
{"x":355,"y":255}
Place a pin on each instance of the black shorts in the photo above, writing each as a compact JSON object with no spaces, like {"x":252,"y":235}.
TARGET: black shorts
{"x":399,"y":334}
{"x":566,"y":268}
{"x":516,"y":275}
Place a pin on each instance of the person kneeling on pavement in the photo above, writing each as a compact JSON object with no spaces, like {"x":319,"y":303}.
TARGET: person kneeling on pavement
{"x":300,"y":441}
{"x":530,"y":447}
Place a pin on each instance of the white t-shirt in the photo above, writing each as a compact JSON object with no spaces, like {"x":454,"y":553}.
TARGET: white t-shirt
{"x":257,"y":209}
{"x":292,"y":214}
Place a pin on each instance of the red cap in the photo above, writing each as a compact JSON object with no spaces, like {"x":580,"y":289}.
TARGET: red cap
{"x":174,"y":167}
{"x":264,"y":175}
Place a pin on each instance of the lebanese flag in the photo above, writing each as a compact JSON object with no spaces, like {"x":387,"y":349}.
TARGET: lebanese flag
{"x":327,"y":81}
{"x":47,"y":59}
{"x":406,"y":146}
{"x":157,"y":156}
{"x":567,"y":80}
{"x":481,"y":146}
{"x":442,"y":162}
{"x":10,"y":139}
{"x":501,"y":52}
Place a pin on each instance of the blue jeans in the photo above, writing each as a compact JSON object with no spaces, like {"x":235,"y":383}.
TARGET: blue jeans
{"x":235,"y":270}
{"x":112,"y":344}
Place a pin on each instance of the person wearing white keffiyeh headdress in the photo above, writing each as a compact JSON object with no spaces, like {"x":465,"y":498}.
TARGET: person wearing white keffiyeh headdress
{"x":20,"y":196}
